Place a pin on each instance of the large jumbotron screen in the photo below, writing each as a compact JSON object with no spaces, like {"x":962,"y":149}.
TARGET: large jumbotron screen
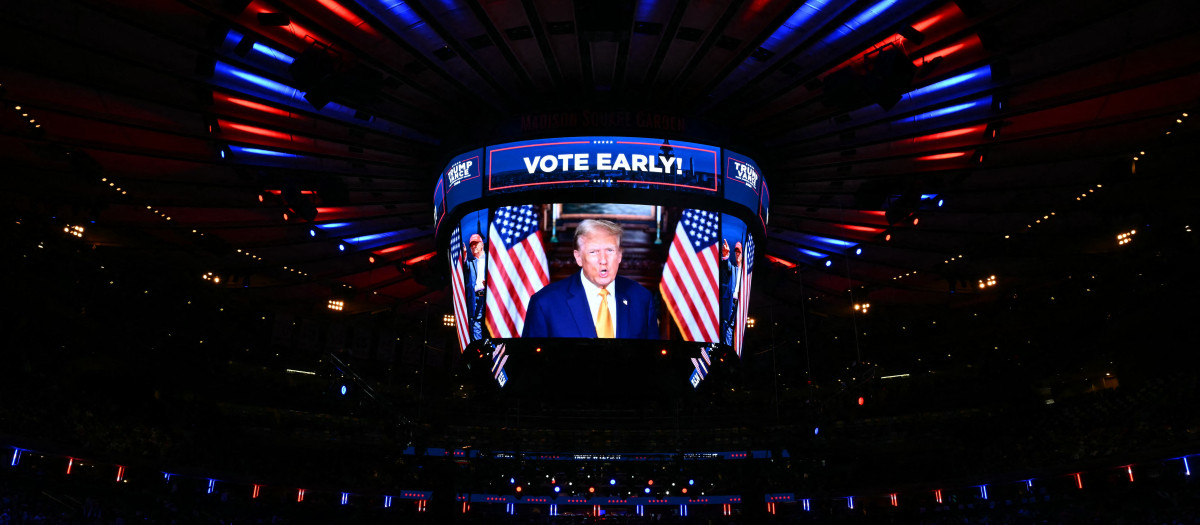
{"x":657,"y":237}
{"x":690,"y":288}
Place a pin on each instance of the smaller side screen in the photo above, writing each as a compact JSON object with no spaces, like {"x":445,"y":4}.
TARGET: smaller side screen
{"x":744,"y":184}
{"x":463,"y":178}
{"x":468,"y":275}
{"x":736,"y":270}
{"x":439,"y":203}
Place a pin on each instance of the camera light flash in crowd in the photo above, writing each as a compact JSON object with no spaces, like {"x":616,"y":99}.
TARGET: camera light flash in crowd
{"x":336,"y":305}
{"x":1124,"y":238}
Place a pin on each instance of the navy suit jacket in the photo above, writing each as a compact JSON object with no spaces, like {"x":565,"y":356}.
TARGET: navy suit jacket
{"x":728,"y":276}
{"x":560,"y":309}
{"x":470,"y":275}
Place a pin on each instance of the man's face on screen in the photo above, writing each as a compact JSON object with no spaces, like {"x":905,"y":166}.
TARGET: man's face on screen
{"x":477,"y":250}
{"x":599,"y":255}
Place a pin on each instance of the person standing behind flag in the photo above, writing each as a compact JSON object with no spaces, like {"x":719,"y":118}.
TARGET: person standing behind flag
{"x":595,"y":302}
{"x":474,"y":279}
{"x":730,"y":288}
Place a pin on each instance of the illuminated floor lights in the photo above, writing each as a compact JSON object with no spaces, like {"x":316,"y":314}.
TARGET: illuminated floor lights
{"x":772,"y":505}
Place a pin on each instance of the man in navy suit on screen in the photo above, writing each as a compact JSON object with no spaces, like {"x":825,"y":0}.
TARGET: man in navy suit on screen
{"x":594,"y":302}
{"x":475,"y":281}
{"x":730,"y":278}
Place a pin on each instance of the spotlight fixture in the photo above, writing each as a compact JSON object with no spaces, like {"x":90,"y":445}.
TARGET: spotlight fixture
{"x":336,"y":305}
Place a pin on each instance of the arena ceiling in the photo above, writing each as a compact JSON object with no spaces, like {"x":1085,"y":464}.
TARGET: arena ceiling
{"x":912,"y":147}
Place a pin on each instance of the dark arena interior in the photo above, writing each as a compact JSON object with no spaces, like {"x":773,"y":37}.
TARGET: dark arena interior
{"x":230,"y":297}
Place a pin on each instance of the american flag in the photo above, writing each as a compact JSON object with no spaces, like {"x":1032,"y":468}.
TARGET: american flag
{"x":743,"y":308}
{"x":462,"y":319}
{"x":517,"y":268}
{"x":499,"y":357}
{"x":689,"y":284}
{"x":701,"y":365}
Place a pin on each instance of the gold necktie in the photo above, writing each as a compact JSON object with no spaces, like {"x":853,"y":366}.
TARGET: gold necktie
{"x":604,"y":322}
